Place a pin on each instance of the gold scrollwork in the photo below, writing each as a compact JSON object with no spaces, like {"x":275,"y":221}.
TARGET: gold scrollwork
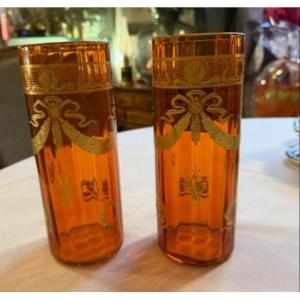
{"x":198,"y":71}
{"x":194,"y":186}
{"x":65,"y":78}
{"x":57,"y":112}
{"x":194,"y":109}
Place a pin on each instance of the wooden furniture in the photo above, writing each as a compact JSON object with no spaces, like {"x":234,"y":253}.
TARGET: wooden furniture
{"x":266,"y":253}
{"x":134,"y":106}
{"x":15,"y":136}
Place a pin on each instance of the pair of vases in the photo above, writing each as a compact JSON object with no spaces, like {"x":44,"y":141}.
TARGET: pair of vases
{"x":197,"y":89}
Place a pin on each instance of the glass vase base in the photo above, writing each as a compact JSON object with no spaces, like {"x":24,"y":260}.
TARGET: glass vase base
{"x":86,"y":262}
{"x":86,"y":244}
{"x":191,"y":261}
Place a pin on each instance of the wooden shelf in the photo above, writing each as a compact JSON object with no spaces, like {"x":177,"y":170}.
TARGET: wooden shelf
{"x":134,"y":106}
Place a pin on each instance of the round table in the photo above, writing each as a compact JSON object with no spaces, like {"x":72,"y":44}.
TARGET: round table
{"x":266,"y":254}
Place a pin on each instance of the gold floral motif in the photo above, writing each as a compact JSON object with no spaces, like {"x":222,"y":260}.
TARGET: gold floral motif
{"x":60,"y":182}
{"x":194,"y":109}
{"x":161,"y":212}
{"x":65,"y":78}
{"x":57,"y":112}
{"x":89,"y":189}
{"x":198,"y":71}
{"x":64,"y":188}
{"x":229,"y":216}
{"x":194,"y":186}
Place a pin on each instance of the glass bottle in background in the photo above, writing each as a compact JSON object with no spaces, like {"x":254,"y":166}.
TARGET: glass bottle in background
{"x":68,"y":92}
{"x":126,"y":73}
{"x":277,"y":87}
{"x":4,"y":28}
{"x":197,"y":88}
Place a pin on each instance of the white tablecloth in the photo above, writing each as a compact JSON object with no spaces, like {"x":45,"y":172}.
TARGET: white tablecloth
{"x":266,"y":254}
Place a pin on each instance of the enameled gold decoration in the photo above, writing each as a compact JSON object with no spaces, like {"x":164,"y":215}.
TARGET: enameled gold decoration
{"x":194,"y":186}
{"x":198,"y":71}
{"x":194,"y":109}
{"x":65,"y":78}
{"x":56,"y":113}
{"x":89,"y":189}
{"x":65,"y":188}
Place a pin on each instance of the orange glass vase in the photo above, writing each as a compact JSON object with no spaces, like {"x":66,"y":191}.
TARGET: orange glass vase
{"x":69,"y":98}
{"x":197,"y":83}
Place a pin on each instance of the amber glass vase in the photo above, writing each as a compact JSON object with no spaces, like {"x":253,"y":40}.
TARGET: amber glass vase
{"x":69,"y":98}
{"x":197,"y":83}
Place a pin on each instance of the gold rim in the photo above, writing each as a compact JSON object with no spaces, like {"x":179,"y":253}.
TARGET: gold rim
{"x":196,"y":37}
{"x":64,"y":46}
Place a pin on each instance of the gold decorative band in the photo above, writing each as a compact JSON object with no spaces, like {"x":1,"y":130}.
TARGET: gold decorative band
{"x":198,"y":71}
{"x":66,"y":78}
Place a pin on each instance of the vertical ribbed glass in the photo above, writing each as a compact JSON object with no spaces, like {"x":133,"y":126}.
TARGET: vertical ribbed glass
{"x":69,"y":98}
{"x":197,"y":86}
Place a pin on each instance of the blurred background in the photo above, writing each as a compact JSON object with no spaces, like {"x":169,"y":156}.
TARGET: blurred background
{"x":272,"y":58}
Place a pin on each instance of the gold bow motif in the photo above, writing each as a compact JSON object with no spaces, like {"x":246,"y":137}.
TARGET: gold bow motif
{"x":195,"y":107}
{"x":51,"y":108}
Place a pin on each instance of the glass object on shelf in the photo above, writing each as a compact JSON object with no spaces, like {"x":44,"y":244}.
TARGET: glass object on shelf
{"x":75,"y":23}
{"x":126,"y":73}
{"x":166,"y":22}
{"x":98,"y":24}
{"x":276,"y":89}
{"x":27,"y":22}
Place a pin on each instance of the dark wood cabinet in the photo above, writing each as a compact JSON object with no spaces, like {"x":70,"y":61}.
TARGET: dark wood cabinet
{"x":134,"y":107}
